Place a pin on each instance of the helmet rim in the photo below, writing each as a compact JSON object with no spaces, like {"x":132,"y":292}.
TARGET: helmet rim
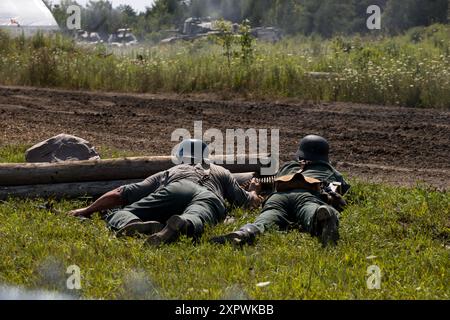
{"x":313,"y":148}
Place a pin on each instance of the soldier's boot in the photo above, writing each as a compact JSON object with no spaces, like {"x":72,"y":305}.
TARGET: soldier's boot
{"x":245,"y":235}
{"x":140,"y":227}
{"x":175,"y":226}
{"x":326,"y":225}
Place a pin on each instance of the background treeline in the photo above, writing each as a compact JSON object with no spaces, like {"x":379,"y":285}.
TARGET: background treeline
{"x":322,"y":17}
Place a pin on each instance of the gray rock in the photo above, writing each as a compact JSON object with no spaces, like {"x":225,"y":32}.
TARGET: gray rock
{"x":62,"y":147}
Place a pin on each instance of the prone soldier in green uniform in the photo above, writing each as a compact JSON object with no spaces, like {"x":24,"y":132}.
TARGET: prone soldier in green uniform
{"x":181,"y":200}
{"x":300,"y":198}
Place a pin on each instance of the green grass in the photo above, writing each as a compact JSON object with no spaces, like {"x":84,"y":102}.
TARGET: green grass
{"x":404,"y":231}
{"x":409,"y":70}
{"x":12,"y":153}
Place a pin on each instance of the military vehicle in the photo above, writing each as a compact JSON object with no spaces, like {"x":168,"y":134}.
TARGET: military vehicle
{"x":194,"y":28}
{"x":270,"y":34}
{"x":122,"y":38}
{"x":86,"y":37}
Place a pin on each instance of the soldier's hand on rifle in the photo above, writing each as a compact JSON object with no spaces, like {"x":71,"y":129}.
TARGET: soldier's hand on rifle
{"x":255,"y":186}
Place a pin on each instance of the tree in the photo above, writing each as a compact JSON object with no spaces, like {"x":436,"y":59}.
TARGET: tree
{"x":128,"y":16}
{"x":401,"y":15}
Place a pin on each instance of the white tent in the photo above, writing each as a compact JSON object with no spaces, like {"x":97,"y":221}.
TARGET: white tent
{"x":26,"y":16}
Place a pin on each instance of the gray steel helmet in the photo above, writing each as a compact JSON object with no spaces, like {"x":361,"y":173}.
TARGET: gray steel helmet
{"x":313,"y":148}
{"x":192,"y":151}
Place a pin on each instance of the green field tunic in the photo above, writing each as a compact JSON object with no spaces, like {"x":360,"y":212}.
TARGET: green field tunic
{"x":297,"y":207}
{"x":195,"y":192}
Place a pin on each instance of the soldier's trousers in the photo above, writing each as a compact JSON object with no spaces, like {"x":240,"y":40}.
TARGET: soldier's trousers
{"x":290,"y":208}
{"x":191,"y":201}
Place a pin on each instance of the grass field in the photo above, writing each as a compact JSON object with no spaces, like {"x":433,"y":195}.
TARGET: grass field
{"x":408,"y":70}
{"x":403,"y":231}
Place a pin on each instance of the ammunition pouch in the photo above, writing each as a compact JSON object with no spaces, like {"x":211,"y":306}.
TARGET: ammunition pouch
{"x":292,"y":185}
{"x":296,"y":181}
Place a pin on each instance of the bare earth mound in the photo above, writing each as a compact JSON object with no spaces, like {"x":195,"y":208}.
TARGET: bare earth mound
{"x":375,"y":143}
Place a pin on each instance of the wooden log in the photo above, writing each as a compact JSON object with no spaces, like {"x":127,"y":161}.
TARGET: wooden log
{"x":79,"y":189}
{"x":98,"y":170}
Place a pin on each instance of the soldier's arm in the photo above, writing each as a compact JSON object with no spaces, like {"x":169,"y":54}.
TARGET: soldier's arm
{"x":121,"y":196}
{"x":236,"y":195}
{"x":109,"y":200}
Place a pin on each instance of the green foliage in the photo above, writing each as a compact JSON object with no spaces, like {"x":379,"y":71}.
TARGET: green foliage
{"x":227,"y":39}
{"x":246,"y":41}
{"x":401,"y":15}
{"x":12,"y":153}
{"x":408,"y":70}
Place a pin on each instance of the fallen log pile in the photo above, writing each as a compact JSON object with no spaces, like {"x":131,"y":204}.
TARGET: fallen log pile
{"x":92,"y":178}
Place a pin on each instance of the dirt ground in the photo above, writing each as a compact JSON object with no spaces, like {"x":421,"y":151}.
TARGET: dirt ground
{"x":395,"y":145}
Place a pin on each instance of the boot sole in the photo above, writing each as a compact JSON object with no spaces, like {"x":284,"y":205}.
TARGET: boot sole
{"x":148,"y":228}
{"x":330,"y":232}
{"x":170,"y":232}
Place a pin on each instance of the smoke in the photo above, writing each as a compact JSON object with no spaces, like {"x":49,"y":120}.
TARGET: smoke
{"x":51,"y":274}
{"x":138,"y":286}
{"x":228,"y":9}
{"x":235,"y":292}
{"x":19,"y":293}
